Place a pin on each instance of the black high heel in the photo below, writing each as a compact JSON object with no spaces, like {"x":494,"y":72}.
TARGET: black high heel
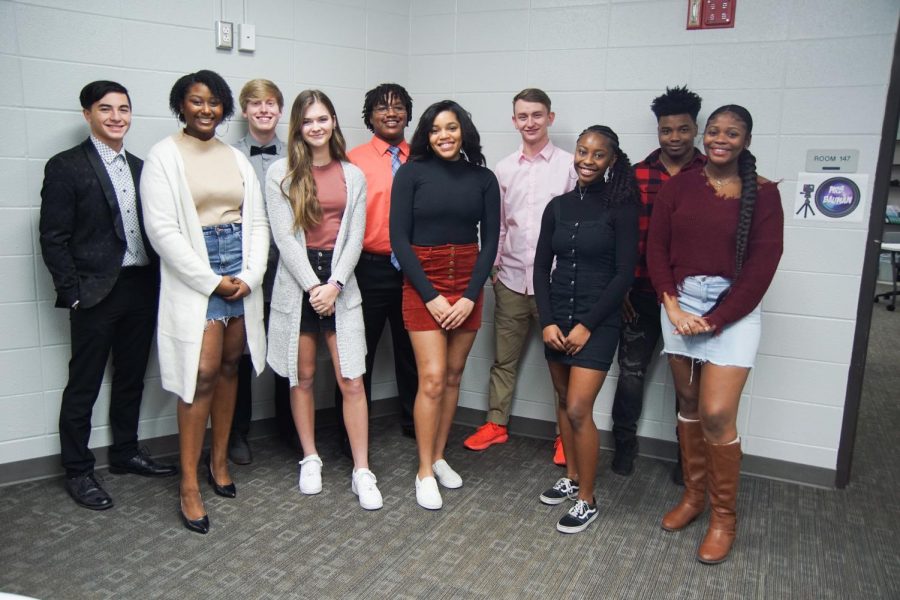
{"x":200,"y":525}
{"x":226,"y":491}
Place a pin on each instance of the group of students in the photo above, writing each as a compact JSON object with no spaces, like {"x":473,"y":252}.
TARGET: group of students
{"x":584,"y":243}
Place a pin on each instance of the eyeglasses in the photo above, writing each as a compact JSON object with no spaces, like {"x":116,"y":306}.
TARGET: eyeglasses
{"x":382,"y":109}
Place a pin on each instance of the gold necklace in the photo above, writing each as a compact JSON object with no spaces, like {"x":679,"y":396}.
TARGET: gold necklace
{"x":718,"y":183}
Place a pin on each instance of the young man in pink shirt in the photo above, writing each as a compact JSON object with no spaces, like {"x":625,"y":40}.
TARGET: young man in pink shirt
{"x":529,"y":178}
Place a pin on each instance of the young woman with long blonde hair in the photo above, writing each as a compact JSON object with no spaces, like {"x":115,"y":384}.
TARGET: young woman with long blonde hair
{"x":316,"y":202}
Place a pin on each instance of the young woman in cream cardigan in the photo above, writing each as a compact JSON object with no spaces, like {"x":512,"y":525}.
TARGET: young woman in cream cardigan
{"x":316,"y":202}
{"x":205,"y":217}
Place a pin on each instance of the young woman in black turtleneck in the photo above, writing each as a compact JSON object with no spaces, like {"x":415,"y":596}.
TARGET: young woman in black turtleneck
{"x":592,"y":233}
{"x":442,"y":201}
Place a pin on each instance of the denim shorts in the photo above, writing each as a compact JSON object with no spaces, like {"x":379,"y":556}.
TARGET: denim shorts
{"x":735,"y":345}
{"x":223,"y":246}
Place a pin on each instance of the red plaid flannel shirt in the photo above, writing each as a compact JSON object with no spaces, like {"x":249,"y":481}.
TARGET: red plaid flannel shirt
{"x":651,"y":174}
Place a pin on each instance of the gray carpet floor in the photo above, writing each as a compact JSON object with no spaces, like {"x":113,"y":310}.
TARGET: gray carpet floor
{"x":493,"y":539}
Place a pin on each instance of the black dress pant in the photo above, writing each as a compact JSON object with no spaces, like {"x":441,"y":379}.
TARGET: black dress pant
{"x":122,"y":323}
{"x":381,"y":286}
{"x":243,"y":414}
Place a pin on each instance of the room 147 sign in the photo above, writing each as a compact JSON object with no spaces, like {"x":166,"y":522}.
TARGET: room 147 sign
{"x":829,"y":197}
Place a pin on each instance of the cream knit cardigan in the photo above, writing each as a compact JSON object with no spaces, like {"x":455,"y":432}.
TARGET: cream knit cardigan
{"x":186,"y":279}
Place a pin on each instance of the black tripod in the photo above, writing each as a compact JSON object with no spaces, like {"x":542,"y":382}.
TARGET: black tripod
{"x":808,"y":189}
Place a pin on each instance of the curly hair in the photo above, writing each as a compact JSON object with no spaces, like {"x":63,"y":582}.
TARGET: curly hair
{"x":749,"y":184}
{"x":301,"y":186}
{"x":420,"y":148}
{"x":621,"y":186}
{"x":382,"y":94}
{"x":210,"y":79}
{"x":677,"y":101}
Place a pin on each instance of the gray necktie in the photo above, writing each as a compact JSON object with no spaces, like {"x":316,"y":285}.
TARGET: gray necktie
{"x":395,"y":164}
{"x":395,"y":159}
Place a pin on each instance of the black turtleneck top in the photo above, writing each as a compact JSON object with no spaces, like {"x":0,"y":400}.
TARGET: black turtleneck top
{"x":595,"y":247}
{"x":436,"y":202}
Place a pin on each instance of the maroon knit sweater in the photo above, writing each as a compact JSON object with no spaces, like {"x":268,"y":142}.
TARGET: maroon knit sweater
{"x":692,"y":232}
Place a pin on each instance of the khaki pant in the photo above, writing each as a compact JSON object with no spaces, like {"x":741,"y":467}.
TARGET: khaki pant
{"x":513,"y":314}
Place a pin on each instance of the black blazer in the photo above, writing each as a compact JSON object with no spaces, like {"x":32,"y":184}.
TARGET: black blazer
{"x":82,"y":236}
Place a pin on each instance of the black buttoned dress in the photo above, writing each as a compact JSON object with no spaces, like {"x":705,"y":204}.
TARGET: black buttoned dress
{"x":595,"y":248}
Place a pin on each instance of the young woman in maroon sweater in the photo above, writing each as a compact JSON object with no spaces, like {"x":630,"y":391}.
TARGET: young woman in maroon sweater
{"x":714,"y":244}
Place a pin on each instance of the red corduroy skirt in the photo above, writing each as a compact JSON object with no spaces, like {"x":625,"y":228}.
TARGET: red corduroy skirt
{"x":449,"y":269}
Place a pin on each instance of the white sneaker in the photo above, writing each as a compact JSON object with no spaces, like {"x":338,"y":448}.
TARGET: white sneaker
{"x":446,"y":476}
{"x":311,"y":474}
{"x":427,"y":493}
{"x":363,"y":485}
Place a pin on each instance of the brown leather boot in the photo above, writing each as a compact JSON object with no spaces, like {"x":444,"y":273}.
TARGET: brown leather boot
{"x":724,"y":462}
{"x":693,"y":464}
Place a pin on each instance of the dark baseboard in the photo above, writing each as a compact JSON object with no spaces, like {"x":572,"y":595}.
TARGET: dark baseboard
{"x":757,"y":466}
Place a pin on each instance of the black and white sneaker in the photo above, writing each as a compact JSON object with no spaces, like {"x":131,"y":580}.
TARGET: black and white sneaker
{"x":564,"y":489}
{"x":578,"y":517}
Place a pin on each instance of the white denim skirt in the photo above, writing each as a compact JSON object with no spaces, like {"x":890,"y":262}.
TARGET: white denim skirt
{"x":735,"y":345}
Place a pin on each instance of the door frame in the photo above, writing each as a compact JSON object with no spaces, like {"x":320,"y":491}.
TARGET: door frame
{"x":865,"y":305}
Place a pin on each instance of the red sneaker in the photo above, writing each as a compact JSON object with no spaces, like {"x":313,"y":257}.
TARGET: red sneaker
{"x":559,"y":456}
{"x":485,"y":436}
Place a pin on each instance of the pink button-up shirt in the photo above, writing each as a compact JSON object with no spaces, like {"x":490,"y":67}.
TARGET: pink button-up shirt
{"x":526,"y":187}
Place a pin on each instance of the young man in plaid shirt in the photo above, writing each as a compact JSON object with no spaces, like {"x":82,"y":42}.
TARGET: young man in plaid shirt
{"x":676,"y":116}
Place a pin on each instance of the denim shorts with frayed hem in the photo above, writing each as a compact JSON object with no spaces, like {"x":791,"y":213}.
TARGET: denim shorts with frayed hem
{"x":223,"y":246}
{"x":734,"y":346}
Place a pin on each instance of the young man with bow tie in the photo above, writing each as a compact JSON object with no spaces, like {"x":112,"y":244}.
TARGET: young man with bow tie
{"x":261,"y":104}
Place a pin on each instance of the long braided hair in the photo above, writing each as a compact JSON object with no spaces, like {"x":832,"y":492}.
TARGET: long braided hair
{"x":621,"y":187}
{"x":747,"y":174}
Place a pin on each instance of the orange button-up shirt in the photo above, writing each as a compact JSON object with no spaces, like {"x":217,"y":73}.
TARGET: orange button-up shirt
{"x":374,"y":159}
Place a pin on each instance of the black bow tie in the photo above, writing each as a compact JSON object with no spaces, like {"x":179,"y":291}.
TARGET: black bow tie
{"x":254,"y":150}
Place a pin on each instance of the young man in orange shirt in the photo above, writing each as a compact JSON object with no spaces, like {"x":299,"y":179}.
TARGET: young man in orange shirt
{"x":386,"y":112}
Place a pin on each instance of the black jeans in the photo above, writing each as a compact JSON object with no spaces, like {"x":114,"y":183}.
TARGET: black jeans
{"x":637,"y":346}
{"x":381,"y":286}
{"x":122,"y":323}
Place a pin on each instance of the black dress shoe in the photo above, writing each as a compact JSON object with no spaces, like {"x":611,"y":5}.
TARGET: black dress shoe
{"x":143,"y":464}
{"x":239,"y":450}
{"x":226,"y":491}
{"x":200,"y":525}
{"x":86,"y":491}
{"x":623,"y":459}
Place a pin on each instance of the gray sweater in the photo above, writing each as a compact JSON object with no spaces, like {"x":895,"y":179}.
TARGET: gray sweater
{"x":295,"y":275}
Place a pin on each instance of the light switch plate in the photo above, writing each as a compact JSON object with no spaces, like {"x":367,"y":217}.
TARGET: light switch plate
{"x":246,"y":37}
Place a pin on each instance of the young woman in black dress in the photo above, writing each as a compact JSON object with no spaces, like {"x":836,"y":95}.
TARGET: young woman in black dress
{"x":592,"y":233}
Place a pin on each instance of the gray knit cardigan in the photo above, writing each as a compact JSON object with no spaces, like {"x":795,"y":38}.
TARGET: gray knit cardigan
{"x":295,"y":275}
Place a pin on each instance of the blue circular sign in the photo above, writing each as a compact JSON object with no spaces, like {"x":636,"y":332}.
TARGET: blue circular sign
{"x":837,"y":197}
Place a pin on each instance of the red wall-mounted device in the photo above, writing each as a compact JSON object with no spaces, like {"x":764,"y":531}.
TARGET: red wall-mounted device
{"x":710,"y":14}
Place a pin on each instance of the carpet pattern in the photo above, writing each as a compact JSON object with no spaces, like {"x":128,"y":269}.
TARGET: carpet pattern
{"x":493,"y":539}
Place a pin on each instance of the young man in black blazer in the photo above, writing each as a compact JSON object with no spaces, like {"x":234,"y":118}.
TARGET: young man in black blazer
{"x":107,"y":275}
